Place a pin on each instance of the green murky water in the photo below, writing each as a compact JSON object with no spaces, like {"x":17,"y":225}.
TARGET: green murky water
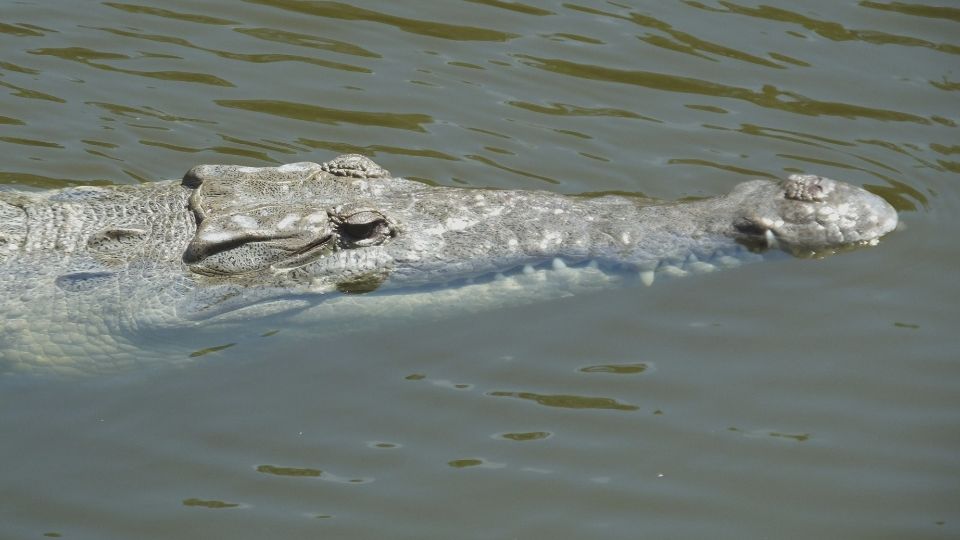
{"x":796,"y":399}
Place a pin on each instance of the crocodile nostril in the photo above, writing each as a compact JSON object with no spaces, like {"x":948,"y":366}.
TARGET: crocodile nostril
{"x":750,"y":227}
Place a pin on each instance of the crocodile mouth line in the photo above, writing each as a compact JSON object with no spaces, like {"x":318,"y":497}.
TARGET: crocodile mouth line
{"x":308,"y":253}
{"x":558,"y":267}
{"x":295,"y":258}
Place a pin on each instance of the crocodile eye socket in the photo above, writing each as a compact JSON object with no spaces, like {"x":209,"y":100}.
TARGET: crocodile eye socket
{"x":807,"y":187}
{"x":361,"y":227}
{"x":749,"y":227}
{"x":366,"y":228}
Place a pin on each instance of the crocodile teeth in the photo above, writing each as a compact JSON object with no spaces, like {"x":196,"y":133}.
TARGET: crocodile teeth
{"x":727,"y":261}
{"x":528,"y":269}
{"x":701,"y":267}
{"x":672,"y":270}
{"x":771,"y":239}
{"x":647,"y":277}
{"x":558,"y":264}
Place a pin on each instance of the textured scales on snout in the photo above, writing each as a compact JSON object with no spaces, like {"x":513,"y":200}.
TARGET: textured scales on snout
{"x":95,"y":277}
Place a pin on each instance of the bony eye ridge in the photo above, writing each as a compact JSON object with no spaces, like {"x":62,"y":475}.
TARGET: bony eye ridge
{"x":360,"y":225}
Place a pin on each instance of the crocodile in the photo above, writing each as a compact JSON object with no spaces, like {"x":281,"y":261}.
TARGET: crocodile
{"x":95,"y":278}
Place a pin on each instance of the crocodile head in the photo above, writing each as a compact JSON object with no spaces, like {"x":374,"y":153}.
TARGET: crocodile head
{"x":809,"y":215}
{"x":306,"y":229}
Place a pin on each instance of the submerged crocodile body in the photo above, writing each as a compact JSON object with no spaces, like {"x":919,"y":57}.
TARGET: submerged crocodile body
{"x":92,"y":278}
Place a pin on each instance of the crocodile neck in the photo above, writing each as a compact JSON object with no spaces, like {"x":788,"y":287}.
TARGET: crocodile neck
{"x":73,"y":222}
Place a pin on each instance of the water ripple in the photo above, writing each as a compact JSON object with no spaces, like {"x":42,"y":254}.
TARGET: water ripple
{"x":25,"y":179}
{"x":917,"y":10}
{"x":289,"y":471}
{"x":167,"y":14}
{"x":252,"y":58}
{"x":220,"y":150}
{"x":30,"y":142}
{"x":517,"y":7}
{"x":494,"y":164}
{"x":306,"y":40}
{"x":831,"y":30}
{"x":31,"y":94}
{"x":617,"y":369}
{"x":86,"y":56}
{"x":148,"y":111}
{"x":10,"y":121}
{"x":755,"y":173}
{"x":565,"y":401}
{"x":21,"y":30}
{"x":210,"y":503}
{"x":19,"y":69}
{"x":525,"y":436}
{"x":326,"y":115}
{"x":375,"y":149}
{"x":769,"y":97}
{"x":946,"y":85}
{"x":338,"y":10}
{"x":681,"y":41}
{"x":564,"y":109}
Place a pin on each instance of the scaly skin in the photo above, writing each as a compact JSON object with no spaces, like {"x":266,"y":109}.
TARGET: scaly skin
{"x":95,"y":278}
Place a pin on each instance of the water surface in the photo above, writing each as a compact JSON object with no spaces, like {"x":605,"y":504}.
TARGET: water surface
{"x":795,"y":399}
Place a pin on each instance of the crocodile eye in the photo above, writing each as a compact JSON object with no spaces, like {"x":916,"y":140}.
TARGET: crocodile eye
{"x":359,"y":227}
{"x":364,"y":225}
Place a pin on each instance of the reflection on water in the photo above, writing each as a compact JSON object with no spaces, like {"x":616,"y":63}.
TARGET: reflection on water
{"x":323,"y":115}
{"x":85,"y":56}
{"x":794,"y":399}
{"x":769,"y":96}
{"x":836,"y":31}
{"x":209,"y":503}
{"x":618,"y":369}
{"x":258,"y":58}
{"x":166,"y":13}
{"x":344,"y":11}
{"x":798,"y":437}
{"x":531,"y":436}
{"x":569,"y":402}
